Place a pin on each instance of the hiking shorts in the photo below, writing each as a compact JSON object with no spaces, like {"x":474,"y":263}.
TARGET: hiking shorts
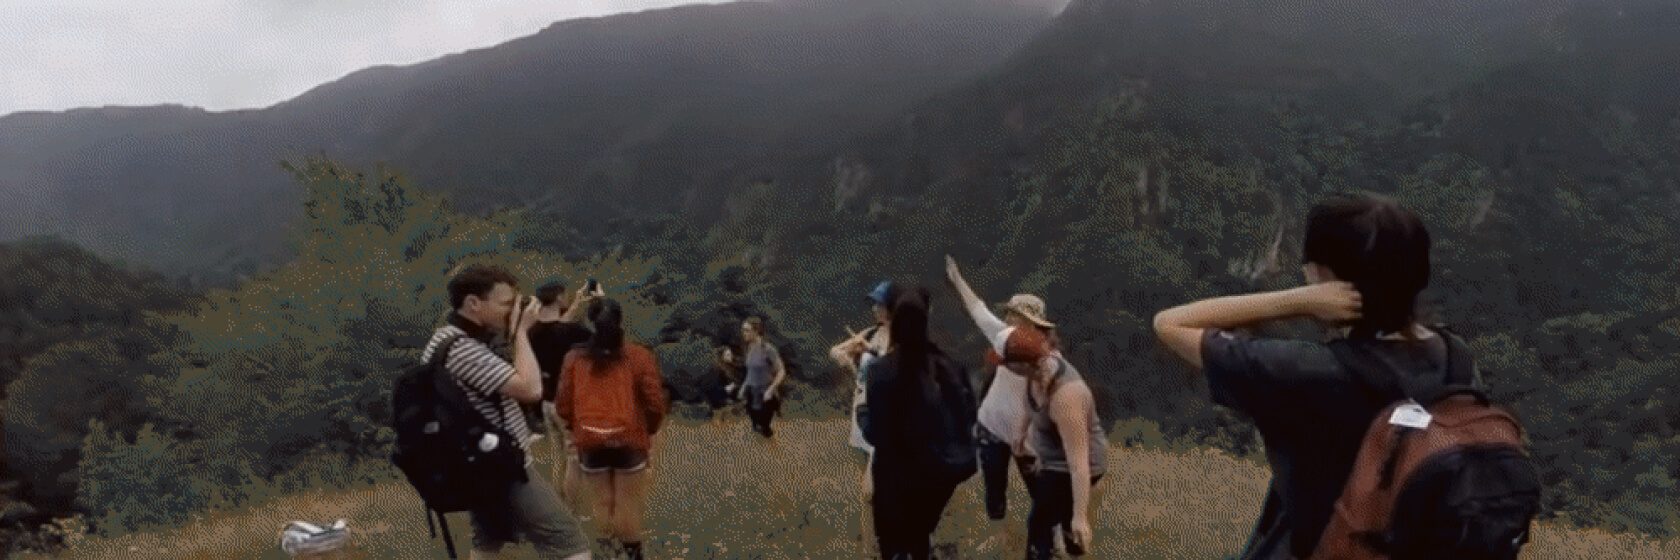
{"x":621,"y":460}
{"x":532,"y":510}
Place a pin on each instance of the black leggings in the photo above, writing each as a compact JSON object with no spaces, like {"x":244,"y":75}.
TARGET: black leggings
{"x":995,"y":457}
{"x":759,"y":410}
{"x":907,"y":509}
{"x":1052,"y":493}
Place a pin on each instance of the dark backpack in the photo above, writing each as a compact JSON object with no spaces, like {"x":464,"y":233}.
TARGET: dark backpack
{"x":1456,"y":482}
{"x":444,"y":445}
{"x":955,"y":453}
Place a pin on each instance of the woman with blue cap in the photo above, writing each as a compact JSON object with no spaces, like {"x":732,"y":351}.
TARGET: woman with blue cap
{"x":855,"y":353}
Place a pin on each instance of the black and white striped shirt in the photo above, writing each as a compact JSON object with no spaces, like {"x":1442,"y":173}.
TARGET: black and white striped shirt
{"x":482,"y":373}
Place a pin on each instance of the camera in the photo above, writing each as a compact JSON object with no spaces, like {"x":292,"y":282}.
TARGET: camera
{"x":593,"y":287}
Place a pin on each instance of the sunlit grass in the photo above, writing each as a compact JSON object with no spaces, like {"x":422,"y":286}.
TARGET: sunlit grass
{"x":720,"y":491}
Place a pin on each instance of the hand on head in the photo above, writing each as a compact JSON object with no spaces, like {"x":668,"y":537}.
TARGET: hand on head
{"x":1335,"y":301}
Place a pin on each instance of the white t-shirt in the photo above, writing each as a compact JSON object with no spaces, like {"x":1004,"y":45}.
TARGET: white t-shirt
{"x":1003,"y":410}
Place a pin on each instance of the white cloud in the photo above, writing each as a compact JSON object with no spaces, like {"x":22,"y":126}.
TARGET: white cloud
{"x":236,"y":54}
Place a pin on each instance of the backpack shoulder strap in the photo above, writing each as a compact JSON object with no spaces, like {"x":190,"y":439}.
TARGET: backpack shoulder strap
{"x":1370,"y":373}
{"x":1461,"y":373}
{"x":448,"y":388}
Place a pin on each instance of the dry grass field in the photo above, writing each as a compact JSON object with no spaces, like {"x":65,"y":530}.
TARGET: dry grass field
{"x":722,"y":492}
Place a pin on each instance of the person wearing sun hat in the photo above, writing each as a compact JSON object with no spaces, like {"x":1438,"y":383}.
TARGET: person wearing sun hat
{"x":1003,"y":411}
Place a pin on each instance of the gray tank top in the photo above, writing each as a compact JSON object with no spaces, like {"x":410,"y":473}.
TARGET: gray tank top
{"x":1046,"y":440}
{"x":761,"y":365}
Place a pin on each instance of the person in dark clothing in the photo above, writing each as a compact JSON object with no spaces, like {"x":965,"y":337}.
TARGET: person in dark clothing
{"x":557,"y":331}
{"x":1365,"y":259}
{"x":920,"y":421}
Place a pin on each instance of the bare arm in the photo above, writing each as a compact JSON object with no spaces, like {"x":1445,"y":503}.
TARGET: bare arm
{"x":846,"y":352}
{"x":526,"y":384}
{"x":580,"y":305}
{"x":989,"y":324}
{"x":1181,"y":328}
{"x":1069,"y":410}
{"x":781,"y":372}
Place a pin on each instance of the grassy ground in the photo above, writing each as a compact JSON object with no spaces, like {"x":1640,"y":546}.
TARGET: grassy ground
{"x":723,"y":492}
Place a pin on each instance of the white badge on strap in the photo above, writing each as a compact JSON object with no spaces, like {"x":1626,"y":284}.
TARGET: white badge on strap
{"x":1410,"y":415}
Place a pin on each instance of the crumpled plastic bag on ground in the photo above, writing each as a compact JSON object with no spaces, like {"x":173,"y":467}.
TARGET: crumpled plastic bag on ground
{"x":299,"y":537}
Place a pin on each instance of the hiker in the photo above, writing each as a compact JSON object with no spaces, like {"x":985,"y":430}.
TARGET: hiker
{"x":1063,"y":435}
{"x":765,"y":374}
{"x":486,"y":302}
{"x":1365,"y":259}
{"x":557,"y":331}
{"x":855,"y":353}
{"x":920,"y":419}
{"x":612,"y":396}
{"x":1003,"y":408}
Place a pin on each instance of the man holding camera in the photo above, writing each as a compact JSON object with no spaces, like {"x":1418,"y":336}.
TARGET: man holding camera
{"x":486,"y":302}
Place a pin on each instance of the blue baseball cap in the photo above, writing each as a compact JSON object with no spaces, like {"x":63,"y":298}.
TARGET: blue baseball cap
{"x":884,"y":293}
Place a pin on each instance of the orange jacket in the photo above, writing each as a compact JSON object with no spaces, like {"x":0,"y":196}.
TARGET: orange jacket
{"x":637,"y":370}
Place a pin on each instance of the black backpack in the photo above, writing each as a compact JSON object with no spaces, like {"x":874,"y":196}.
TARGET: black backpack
{"x":453,"y":456}
{"x":955,"y":452}
{"x":1462,"y":487}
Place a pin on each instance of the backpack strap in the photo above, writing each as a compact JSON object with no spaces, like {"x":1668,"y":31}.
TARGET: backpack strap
{"x":448,"y":539}
{"x":1461,"y":374}
{"x":452,"y":392}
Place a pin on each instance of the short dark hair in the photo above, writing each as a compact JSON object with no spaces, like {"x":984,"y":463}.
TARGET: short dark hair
{"x":1379,"y":246}
{"x":551,"y":292}
{"x":478,"y":280}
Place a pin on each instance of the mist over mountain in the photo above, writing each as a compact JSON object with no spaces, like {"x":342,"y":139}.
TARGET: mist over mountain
{"x":776,"y":159}
{"x":590,"y":112}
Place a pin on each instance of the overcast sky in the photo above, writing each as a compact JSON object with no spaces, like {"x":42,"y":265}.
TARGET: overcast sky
{"x":239,"y":54}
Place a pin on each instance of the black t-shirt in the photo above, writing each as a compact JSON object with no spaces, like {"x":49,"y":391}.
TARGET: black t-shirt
{"x":1312,"y":414}
{"x":550,"y":341}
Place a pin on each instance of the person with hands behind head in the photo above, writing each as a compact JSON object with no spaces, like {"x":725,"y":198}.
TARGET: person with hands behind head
{"x":1365,"y":259}
{"x":486,"y":302}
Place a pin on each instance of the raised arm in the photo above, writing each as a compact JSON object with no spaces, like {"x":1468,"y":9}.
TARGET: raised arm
{"x":526,"y":384}
{"x":1181,"y":328}
{"x":989,"y":323}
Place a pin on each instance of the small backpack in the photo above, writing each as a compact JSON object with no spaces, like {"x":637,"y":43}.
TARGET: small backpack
{"x":1440,"y":474}
{"x":956,"y":454}
{"x":605,"y":414}
{"x":451,"y":454}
